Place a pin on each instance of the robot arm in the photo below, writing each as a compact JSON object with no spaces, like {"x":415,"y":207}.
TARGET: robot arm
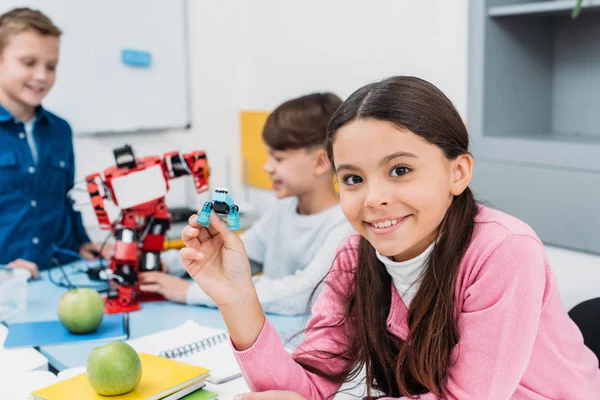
{"x":194,"y":164}
{"x":97,"y":192}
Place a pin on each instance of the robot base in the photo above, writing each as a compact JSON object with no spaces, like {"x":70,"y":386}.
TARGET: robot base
{"x":124,"y":304}
{"x":144,"y":296}
{"x":114,"y":306}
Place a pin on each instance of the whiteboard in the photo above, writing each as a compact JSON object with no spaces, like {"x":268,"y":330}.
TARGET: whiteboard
{"x":95,"y":91}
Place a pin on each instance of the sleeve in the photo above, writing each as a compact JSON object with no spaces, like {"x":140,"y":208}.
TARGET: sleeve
{"x":195,"y":296}
{"x":173,"y":262}
{"x":498,"y":323}
{"x":254,"y":239}
{"x":175,"y":266}
{"x":290,"y":294}
{"x":268,"y":366}
{"x":254,"y":244}
{"x":79,"y":233}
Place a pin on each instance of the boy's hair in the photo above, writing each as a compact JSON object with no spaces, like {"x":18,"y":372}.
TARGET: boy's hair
{"x":23,"y":19}
{"x":300,"y":122}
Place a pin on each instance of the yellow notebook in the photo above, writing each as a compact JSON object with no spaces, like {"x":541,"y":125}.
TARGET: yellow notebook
{"x":160,"y":378}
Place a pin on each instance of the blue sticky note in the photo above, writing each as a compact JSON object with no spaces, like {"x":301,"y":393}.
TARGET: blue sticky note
{"x":136,"y":58}
{"x":44,"y":333}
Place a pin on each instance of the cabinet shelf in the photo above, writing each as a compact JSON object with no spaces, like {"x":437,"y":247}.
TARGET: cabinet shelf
{"x":559,"y":7}
{"x":534,"y":90}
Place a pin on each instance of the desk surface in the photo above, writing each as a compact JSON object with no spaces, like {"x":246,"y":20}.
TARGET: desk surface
{"x":43,"y":297}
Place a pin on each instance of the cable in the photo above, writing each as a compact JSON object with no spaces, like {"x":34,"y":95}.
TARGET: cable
{"x":67,"y":252}
{"x":67,"y":282}
{"x":106,"y":239}
{"x":184,"y":163}
{"x":146,"y":230}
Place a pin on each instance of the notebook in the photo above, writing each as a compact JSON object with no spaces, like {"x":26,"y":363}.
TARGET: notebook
{"x":19,"y":360}
{"x":18,"y":385}
{"x":161,"y":379}
{"x":201,"y":394}
{"x":44,"y":333}
{"x":194,"y":344}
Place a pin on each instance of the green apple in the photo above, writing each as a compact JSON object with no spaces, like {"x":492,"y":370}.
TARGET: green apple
{"x":114,"y":369}
{"x":81,"y":310}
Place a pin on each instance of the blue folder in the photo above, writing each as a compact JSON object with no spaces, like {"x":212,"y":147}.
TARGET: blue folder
{"x":46,"y":333}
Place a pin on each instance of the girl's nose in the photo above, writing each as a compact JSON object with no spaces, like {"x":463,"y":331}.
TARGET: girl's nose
{"x":377,"y":196}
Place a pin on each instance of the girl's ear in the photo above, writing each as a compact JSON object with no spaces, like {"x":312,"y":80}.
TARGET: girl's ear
{"x":462,"y":170}
{"x":322,"y":165}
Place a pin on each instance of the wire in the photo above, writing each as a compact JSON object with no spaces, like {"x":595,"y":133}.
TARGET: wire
{"x":67,"y":252}
{"x":106,"y":239}
{"x":66,"y":283}
{"x":75,"y":188}
{"x":146,"y":230}
{"x":184,"y":163}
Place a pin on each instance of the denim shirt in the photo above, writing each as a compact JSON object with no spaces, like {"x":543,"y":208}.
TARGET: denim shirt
{"x":35,"y":211}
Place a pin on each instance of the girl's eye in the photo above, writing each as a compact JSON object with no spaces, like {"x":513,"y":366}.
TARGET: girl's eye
{"x":352,"y":180}
{"x":399,"y":171}
{"x":51,"y":67}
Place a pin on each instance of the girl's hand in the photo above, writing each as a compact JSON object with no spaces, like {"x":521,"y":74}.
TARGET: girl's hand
{"x":216,"y":259}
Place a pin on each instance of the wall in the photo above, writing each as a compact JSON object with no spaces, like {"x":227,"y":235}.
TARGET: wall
{"x":291,"y":48}
{"x":214,"y":48}
{"x":295,"y":47}
{"x":255,"y":54}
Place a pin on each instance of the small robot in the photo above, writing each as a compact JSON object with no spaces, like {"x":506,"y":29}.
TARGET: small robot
{"x":138,"y":186}
{"x":223,"y":205}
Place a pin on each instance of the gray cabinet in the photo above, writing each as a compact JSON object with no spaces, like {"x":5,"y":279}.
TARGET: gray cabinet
{"x":534,"y":115}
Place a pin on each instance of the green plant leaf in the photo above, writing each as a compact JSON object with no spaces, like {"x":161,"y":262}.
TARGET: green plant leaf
{"x":577,"y":10}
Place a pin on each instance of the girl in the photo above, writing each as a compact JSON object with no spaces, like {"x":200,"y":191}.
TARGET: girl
{"x":436,"y":297}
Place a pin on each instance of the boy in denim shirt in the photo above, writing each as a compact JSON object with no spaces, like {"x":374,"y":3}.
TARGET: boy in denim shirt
{"x":36,"y":157}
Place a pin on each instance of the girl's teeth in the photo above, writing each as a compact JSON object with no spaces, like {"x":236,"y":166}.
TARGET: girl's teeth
{"x":385,"y":224}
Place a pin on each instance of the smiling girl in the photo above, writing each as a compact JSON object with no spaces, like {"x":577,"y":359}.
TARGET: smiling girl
{"x":436,"y":296}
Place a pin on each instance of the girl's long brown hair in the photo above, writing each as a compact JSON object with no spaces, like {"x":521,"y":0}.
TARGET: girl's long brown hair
{"x":420,"y":363}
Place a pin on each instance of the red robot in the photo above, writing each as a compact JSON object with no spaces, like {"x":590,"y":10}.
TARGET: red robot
{"x":138,"y":187}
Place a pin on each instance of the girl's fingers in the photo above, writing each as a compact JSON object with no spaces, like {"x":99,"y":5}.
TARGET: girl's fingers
{"x":189,"y":255}
{"x":193,"y":221}
{"x":189,"y":235}
{"x":219,"y":227}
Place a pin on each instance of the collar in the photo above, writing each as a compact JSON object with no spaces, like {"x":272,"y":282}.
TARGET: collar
{"x":40,"y":114}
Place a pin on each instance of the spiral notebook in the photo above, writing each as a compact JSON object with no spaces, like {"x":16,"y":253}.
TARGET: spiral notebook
{"x":194,"y":344}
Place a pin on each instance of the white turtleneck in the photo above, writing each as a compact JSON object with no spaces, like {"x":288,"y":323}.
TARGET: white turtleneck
{"x":405,"y":274}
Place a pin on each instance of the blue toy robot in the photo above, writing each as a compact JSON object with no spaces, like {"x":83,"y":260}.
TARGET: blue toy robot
{"x":223,"y":205}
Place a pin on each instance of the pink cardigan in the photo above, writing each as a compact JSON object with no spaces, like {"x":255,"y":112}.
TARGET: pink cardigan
{"x":516,"y":340}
